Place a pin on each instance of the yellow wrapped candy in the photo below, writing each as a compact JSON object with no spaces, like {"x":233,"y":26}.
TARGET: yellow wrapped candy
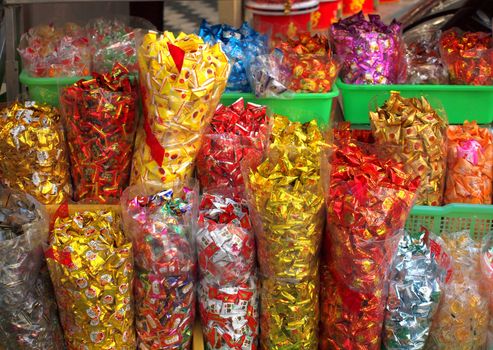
{"x":182,"y":80}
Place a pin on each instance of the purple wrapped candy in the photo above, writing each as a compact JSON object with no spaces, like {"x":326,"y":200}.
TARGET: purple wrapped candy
{"x":372,"y":52}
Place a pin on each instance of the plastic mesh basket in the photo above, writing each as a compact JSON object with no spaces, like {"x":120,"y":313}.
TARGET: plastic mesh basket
{"x":451,"y":218}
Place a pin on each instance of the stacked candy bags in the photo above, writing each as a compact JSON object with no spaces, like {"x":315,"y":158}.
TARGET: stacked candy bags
{"x":372,"y":52}
{"x":100,"y":118}
{"x":56,"y":51}
{"x":227,"y":291}
{"x":91,"y":266}
{"x":413,"y":133}
{"x":160,"y":226}
{"x":182,"y":80}
{"x":287,"y":195}
{"x":241,"y":46}
{"x":470,"y":164}
{"x":33,"y":154}
{"x":28,"y":314}
{"x":235,"y":133}
{"x":369,"y":201}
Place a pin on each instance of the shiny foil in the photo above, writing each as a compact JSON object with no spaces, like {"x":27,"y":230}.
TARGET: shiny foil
{"x":416,"y":288}
{"x":182,"y":80}
{"x":269,"y":75}
{"x":372,"y":52}
{"x":160,"y":226}
{"x":227,"y":291}
{"x":288,"y":197}
{"x":462,"y":319}
{"x":236,"y":133}
{"x":33,"y":152}
{"x":469,"y":164}
{"x":100,"y":118}
{"x":28,"y":313}
{"x":414,"y":134}
{"x":369,"y":201}
{"x":91,"y":267}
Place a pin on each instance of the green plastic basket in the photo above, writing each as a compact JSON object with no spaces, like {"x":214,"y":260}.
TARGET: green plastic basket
{"x":476,"y":218}
{"x":46,"y":89}
{"x":302,"y":107}
{"x":461,"y":102}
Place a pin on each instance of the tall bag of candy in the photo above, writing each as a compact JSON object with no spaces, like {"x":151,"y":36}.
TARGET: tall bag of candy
{"x":182,"y":80}
{"x":33,"y":152}
{"x":227,"y":287}
{"x":91,"y":267}
{"x":287,"y":196}
{"x":487,"y":272}
{"x":28,"y":313}
{"x":100,"y":117}
{"x":160,"y":226}
{"x":368,"y":202}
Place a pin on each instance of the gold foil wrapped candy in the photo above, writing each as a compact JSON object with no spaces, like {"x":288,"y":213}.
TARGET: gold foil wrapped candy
{"x":182,"y":80}
{"x":287,"y":194}
{"x":415,"y":135}
{"x":33,"y":154}
{"x":91,"y":266}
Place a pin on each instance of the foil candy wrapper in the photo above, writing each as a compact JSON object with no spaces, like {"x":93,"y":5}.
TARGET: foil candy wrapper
{"x":241,"y":45}
{"x":270,"y":76}
{"x":286,"y":192}
{"x":182,"y":80}
{"x":28,"y":313}
{"x":91,"y":267}
{"x":160,"y":227}
{"x":414,"y":134}
{"x":416,"y":287}
{"x":33,"y":152}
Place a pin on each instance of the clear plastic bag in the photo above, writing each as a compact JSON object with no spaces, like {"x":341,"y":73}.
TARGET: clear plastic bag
{"x":270,"y":76}
{"x":487,"y":273}
{"x":28,"y":313}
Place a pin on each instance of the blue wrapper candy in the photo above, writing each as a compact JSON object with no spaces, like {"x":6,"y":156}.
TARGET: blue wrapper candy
{"x":241,"y":45}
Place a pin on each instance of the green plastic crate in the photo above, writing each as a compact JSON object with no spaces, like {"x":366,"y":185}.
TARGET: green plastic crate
{"x":452,"y":218}
{"x":461,"y":102}
{"x":302,"y":107}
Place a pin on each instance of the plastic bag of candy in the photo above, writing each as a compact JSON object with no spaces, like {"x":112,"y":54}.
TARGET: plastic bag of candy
{"x":372,"y":52}
{"x":469,"y":164}
{"x":270,"y":76}
{"x":33,"y":151}
{"x":56,"y":51}
{"x":28,"y":313}
{"x":487,"y":272}
{"x":468,"y":57}
{"x":241,"y":45}
{"x":160,"y":226}
{"x":115,"y":40}
{"x":100,"y":118}
{"x":227,"y":290}
{"x":91,"y":267}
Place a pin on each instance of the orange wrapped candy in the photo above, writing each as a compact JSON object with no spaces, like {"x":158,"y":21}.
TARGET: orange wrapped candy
{"x":470,"y":164}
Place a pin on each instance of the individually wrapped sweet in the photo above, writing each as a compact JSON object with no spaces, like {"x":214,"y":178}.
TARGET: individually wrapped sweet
{"x":469,"y":164}
{"x":468,"y":57}
{"x":100,"y":118}
{"x":418,"y":275}
{"x":461,"y":322}
{"x":269,"y":75}
{"x":287,"y":194}
{"x":424,"y":64}
{"x":415,"y":134}
{"x":236,"y":132}
{"x":369,"y":201}
{"x":91,"y":267}
{"x":312,"y":63}
{"x":33,"y":152}
{"x":115,"y":40}
{"x":160,"y":226}
{"x":487,"y":273}
{"x":372,"y":52}
{"x":182,"y":80}
{"x":227,"y":290}
{"x":55,"y":51}
{"x":28,"y":313}
{"x":241,"y":45}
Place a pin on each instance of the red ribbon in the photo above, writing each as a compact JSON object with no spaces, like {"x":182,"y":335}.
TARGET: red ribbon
{"x":157,"y":151}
